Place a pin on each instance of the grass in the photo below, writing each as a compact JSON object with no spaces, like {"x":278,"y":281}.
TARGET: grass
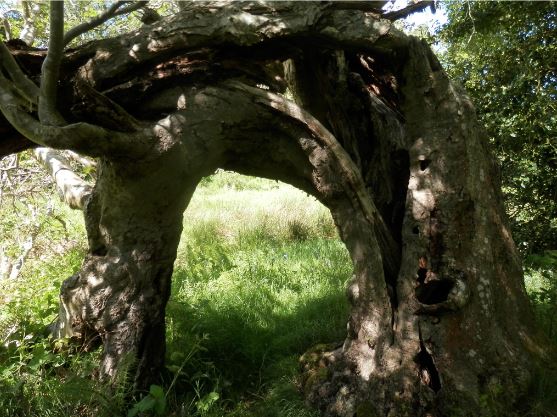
{"x":259,"y":279}
{"x":267,"y":289}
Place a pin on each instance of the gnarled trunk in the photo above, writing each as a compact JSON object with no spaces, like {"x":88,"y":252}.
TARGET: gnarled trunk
{"x":440,"y":320}
{"x":462,"y":336}
{"x":134,"y":221}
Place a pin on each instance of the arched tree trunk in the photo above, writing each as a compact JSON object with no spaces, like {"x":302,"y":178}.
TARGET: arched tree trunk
{"x":440,"y":323}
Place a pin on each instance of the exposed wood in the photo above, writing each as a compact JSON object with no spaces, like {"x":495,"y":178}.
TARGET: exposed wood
{"x":73,"y":190}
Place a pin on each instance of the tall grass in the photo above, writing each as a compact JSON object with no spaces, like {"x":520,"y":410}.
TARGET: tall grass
{"x":261,"y":273}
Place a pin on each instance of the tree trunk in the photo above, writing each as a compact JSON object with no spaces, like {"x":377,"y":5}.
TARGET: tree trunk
{"x":462,"y":339}
{"x":134,"y":222}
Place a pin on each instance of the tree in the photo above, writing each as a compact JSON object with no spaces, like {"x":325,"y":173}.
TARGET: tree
{"x":486,"y":43}
{"x":376,"y":131}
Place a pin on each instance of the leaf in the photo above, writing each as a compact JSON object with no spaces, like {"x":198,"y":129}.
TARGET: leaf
{"x":156,"y":391}
{"x":205,"y":403}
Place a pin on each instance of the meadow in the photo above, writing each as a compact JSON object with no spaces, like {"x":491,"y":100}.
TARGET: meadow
{"x":259,"y":279}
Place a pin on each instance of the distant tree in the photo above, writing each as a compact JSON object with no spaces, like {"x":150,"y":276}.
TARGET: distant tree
{"x":376,"y":131}
{"x":504,"y":53}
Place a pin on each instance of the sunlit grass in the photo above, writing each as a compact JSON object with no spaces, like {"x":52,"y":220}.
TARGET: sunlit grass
{"x":261,"y":272}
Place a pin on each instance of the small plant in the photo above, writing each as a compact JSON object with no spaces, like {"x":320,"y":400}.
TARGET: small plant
{"x":154,"y":403}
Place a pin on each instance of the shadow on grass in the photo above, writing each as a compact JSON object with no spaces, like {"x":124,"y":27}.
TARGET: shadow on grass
{"x":253,"y":352}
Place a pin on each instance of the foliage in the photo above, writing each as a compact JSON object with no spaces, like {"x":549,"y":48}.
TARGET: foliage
{"x":504,"y":55}
{"x":75,"y":12}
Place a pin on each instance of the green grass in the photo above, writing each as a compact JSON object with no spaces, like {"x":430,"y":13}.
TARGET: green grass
{"x":261,"y":273}
{"x":259,"y":279}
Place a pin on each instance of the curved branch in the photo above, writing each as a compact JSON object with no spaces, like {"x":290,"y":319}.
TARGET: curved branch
{"x":51,"y":67}
{"x":84,"y":138}
{"x":389,"y":249}
{"x":113,"y":11}
{"x":242,"y":24}
{"x":27,"y":88}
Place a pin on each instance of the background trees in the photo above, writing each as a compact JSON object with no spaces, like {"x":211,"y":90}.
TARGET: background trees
{"x":504,"y":55}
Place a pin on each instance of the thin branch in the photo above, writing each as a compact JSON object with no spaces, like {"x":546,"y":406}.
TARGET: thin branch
{"x":113,"y":11}
{"x":27,"y":88}
{"x":7,"y":27}
{"x":51,"y":67}
{"x":473,"y":22}
{"x":27,"y":34}
{"x":413,"y":8}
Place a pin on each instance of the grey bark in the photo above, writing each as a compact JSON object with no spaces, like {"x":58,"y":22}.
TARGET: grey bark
{"x":439,"y":318}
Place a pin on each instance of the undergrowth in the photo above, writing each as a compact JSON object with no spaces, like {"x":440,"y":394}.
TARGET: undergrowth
{"x":259,"y":279}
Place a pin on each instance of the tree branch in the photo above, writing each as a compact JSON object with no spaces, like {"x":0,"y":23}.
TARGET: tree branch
{"x":51,"y":67}
{"x":413,"y":8}
{"x":27,"y":34}
{"x":7,"y":27}
{"x":27,"y":88}
{"x":113,"y":11}
{"x":84,"y":138}
{"x":73,"y":190}
{"x":365,"y":6}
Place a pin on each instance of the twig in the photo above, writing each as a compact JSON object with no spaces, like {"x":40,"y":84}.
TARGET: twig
{"x":472,"y":19}
{"x":113,"y":11}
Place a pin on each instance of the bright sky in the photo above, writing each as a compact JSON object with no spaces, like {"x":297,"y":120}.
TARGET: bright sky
{"x":423,"y":17}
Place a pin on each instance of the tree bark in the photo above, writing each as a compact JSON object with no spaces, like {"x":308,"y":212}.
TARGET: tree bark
{"x":462,"y":330}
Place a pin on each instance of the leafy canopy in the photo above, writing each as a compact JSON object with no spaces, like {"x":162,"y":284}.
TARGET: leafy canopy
{"x":504,"y":55}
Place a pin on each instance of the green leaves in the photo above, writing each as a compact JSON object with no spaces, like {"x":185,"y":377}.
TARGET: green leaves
{"x":206,"y":402}
{"x":154,"y":402}
{"x":503,"y":53}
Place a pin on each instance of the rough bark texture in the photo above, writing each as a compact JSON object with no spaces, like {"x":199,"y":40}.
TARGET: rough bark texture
{"x":440,"y":318}
{"x":462,"y":328}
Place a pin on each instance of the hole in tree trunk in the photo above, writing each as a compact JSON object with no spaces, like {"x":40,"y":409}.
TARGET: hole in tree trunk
{"x":422,"y":274}
{"x":424,"y":164}
{"x":99,"y":251}
{"x":434,"y":291}
{"x":427,"y":370}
